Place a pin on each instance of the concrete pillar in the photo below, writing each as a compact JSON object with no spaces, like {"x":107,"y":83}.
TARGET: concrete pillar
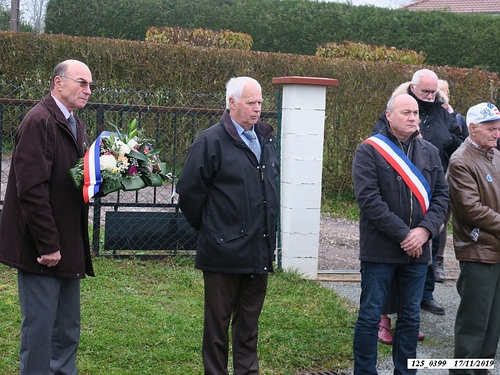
{"x":302,"y":134}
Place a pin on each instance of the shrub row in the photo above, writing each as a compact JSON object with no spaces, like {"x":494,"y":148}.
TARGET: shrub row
{"x":199,"y":37}
{"x":121,"y":67}
{"x":366,"y":52}
{"x":292,"y":26}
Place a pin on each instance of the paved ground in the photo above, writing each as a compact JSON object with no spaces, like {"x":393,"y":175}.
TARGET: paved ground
{"x":339,"y":247}
{"x":438,"y":329}
{"x":338,"y":254}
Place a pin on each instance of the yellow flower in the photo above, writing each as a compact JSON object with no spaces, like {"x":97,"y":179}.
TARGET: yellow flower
{"x":122,"y":159}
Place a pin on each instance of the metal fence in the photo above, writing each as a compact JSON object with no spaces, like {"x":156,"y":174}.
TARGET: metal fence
{"x":145,"y":223}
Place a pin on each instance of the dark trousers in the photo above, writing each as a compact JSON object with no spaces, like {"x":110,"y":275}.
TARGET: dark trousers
{"x":430,"y":282}
{"x":429,"y":279}
{"x":50,"y":328}
{"x":477,"y":326}
{"x":235,"y":299}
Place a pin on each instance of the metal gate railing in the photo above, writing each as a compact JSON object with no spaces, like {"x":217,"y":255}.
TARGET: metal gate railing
{"x":144,"y":223}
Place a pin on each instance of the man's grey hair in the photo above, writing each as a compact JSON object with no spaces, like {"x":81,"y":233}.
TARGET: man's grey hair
{"x":390,"y":103}
{"x":421,"y":73}
{"x":234,"y":88}
{"x":59,"y":70}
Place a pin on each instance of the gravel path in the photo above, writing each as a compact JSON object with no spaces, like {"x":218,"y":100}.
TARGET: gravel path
{"x":339,"y":248}
{"x":339,"y":251}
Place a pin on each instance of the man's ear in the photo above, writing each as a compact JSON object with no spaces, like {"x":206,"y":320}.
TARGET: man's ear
{"x":57,"y":82}
{"x":388,"y":115}
{"x":472,"y":128}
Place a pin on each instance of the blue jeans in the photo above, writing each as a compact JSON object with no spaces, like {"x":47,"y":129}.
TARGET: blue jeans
{"x":375,"y":284}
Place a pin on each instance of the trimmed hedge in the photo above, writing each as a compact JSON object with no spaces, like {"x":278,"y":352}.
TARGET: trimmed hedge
{"x":366,"y":52}
{"x":199,"y":37}
{"x":119,"y":65}
{"x":292,"y":26}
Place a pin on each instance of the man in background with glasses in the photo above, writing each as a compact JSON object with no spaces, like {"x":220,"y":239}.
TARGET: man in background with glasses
{"x":438,"y":127}
{"x":44,"y":224}
{"x":441,"y":129}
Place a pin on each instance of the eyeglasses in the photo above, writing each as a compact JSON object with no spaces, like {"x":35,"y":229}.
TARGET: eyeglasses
{"x":426,"y":92}
{"x":83,"y":83}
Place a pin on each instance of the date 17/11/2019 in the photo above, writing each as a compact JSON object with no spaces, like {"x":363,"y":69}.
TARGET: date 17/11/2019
{"x":451,"y":364}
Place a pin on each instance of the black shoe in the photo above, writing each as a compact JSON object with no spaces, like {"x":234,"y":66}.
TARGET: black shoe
{"x":433,"y":307}
{"x":439,"y":275}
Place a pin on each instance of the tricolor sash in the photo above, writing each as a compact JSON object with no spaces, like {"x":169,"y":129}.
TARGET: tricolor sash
{"x":91,"y":168}
{"x":406,"y":169}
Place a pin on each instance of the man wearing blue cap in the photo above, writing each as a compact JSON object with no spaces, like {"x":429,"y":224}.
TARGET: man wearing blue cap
{"x":474,"y":181}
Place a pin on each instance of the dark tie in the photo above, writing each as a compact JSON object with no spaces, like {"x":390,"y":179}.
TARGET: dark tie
{"x":72,"y":123}
{"x":254,"y":146}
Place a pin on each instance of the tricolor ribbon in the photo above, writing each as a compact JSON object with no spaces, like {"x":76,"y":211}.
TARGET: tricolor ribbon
{"x":406,"y":169}
{"x":91,"y":168}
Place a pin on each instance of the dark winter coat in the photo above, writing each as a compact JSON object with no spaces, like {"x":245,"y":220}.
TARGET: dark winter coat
{"x":461,"y":121}
{"x":388,"y":208}
{"x":232,"y":199}
{"x":437,"y":126}
{"x":43,"y":211}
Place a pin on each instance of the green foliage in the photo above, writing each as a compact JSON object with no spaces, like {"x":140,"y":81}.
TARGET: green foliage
{"x":199,"y":37}
{"x":147,"y":318}
{"x":290,"y":26}
{"x":122,"y":19}
{"x":341,"y":205}
{"x":462,"y":40}
{"x":366,"y":52}
{"x":140,"y":73}
{"x":293,"y":26}
{"x":4,"y":19}
{"x":5,"y":22}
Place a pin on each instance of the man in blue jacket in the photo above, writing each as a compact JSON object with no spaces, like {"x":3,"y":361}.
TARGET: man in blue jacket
{"x":403,"y":198}
{"x":228,"y":191}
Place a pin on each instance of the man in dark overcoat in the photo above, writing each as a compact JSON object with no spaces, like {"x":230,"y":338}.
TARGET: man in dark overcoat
{"x":44,"y":224}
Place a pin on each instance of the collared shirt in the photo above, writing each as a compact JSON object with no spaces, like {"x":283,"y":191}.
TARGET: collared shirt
{"x":242,"y":136}
{"x":61,"y":106}
{"x":469,"y":140}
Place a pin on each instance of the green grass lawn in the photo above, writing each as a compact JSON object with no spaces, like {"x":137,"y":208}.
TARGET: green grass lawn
{"x":146,"y":317}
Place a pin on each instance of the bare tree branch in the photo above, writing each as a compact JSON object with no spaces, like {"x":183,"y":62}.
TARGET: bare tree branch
{"x":33,"y":13}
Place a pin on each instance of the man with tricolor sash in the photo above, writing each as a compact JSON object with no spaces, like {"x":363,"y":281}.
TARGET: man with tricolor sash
{"x":402,"y":194}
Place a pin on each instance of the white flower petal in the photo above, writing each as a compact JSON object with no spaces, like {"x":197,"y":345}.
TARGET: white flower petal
{"x":122,"y":148}
{"x":107,"y":162}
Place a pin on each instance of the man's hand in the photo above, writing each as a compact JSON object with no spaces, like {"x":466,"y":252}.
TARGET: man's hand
{"x":412,"y":244}
{"x":50,"y":260}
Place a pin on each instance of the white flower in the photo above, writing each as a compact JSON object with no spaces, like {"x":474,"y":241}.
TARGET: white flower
{"x":132,"y":143}
{"x":107,"y":162}
{"x":121,"y":148}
